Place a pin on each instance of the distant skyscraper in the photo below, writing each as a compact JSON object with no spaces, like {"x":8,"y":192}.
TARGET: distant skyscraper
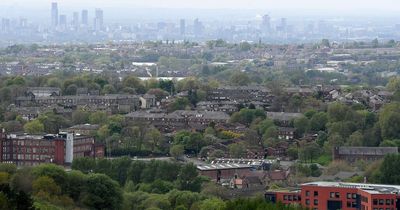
{"x":75,"y":20}
{"x":85,"y":17}
{"x":63,"y":21}
{"x":54,"y":14}
{"x":23,"y":22}
{"x":283,"y":24}
{"x":182,"y":26}
{"x":5,"y":25}
{"x":266,"y":24}
{"x":197,"y":27}
{"x":99,"y":20}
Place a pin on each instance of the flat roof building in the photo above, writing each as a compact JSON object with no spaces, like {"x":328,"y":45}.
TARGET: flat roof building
{"x":60,"y":149}
{"x":340,"y":195}
{"x":224,"y":171}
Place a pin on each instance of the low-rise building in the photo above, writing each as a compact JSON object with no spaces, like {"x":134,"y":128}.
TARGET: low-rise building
{"x":352,"y":154}
{"x":286,"y":133}
{"x":115,"y":103}
{"x":340,"y":195}
{"x":83,"y":129}
{"x":283,"y":118}
{"x":61,"y":149}
{"x":223,"y":171}
{"x":43,"y":91}
{"x":241,"y":94}
{"x":180,"y":119}
{"x":218,"y":106}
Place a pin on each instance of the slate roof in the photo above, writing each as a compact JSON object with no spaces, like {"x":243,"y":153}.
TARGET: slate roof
{"x":367,"y":150}
{"x":283,"y":116}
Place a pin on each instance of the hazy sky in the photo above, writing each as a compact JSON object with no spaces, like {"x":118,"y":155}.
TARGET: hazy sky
{"x":390,"y":5}
{"x":133,"y":9}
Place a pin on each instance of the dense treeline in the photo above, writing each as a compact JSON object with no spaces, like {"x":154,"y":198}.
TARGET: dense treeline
{"x":386,"y":171}
{"x":142,"y":175}
{"x":116,"y":184}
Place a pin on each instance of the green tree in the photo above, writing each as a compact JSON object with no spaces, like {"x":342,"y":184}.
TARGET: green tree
{"x":45,"y":185}
{"x":179,"y":104}
{"x":76,"y":184}
{"x":309,"y":152}
{"x":34,"y":127}
{"x":318,"y":121}
{"x":239,"y":79}
{"x":271,"y":132}
{"x":325,"y":43}
{"x":293,"y":152}
{"x":389,"y":121}
{"x":109,"y":89}
{"x":22,"y":180}
{"x":153,"y":139}
{"x":375,"y":43}
{"x":245,"y":46}
{"x":246,"y":116}
{"x":177,"y":151}
{"x":135,"y":170}
{"x":264,"y":125}
{"x":337,"y":112}
{"x":52,"y":122}
{"x":52,"y":171}
{"x":159,"y":93}
{"x":71,"y":90}
{"x":8,"y":168}
{"x":188,"y":178}
{"x":393,"y":84}
{"x":389,"y":170}
{"x":237,"y":150}
{"x":80,"y":117}
{"x":301,"y":125}
{"x":84,"y":164}
{"x":101,"y":192}
{"x":212,"y":204}
{"x":334,"y":140}
{"x":355,"y":139}
{"x":120,"y":167}
{"x":98,"y":118}
{"x":156,"y":201}
{"x":135,"y":83}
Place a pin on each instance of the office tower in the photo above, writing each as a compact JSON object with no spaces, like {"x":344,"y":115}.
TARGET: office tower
{"x":283,"y":24}
{"x":5,"y":25}
{"x":85,"y":17}
{"x":54,"y":14}
{"x":75,"y":20}
{"x":266,"y":24}
{"x":197,"y":27}
{"x":182,"y":26}
{"x":23,"y":22}
{"x":98,"y":21}
{"x":63,"y":21}
{"x":161,"y":26}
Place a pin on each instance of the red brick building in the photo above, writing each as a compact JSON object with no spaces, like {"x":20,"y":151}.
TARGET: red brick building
{"x":30,"y":150}
{"x":341,"y":196}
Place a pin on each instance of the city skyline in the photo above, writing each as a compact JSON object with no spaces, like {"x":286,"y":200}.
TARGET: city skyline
{"x":59,"y":23}
{"x":125,"y":9}
{"x":390,"y":5}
